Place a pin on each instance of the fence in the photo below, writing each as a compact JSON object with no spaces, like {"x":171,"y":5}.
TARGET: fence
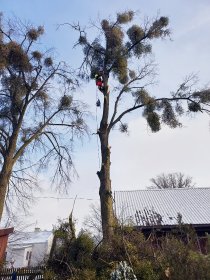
{"x":35,"y":273}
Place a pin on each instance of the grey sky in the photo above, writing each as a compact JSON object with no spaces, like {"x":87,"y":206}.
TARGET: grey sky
{"x":144,"y":154}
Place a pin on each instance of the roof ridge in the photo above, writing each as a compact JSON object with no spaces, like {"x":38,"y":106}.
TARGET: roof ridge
{"x":41,"y":231}
{"x":169,"y":189}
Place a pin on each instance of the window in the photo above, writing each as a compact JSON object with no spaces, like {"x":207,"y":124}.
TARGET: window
{"x":27,"y":255}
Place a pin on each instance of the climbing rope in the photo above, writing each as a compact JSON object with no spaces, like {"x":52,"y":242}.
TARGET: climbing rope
{"x":97,"y":127}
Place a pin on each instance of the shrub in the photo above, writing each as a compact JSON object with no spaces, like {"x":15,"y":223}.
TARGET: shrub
{"x":123,"y":272}
{"x":174,"y":256}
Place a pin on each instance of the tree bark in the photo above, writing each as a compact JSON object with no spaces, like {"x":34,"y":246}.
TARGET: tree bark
{"x":6,"y":170}
{"x":105,"y":192}
{"x":4,"y":182}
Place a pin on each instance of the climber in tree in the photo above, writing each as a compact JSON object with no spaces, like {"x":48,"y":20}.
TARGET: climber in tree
{"x":99,"y":82}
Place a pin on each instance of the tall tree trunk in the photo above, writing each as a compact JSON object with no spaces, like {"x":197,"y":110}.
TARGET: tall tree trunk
{"x":4,"y":182}
{"x":105,"y":192}
{"x":6,"y":170}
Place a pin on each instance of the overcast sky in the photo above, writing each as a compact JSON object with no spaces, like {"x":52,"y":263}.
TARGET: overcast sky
{"x":141,"y":155}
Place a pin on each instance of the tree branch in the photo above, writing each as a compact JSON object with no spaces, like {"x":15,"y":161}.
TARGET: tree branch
{"x":114,"y":122}
{"x":63,"y":124}
{"x":27,"y":142}
{"x":2,"y":150}
{"x":142,"y":74}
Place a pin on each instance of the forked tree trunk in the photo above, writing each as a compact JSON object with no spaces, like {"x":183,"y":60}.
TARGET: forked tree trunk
{"x":105,"y":191}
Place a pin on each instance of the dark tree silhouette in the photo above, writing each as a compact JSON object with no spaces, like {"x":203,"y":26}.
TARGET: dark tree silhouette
{"x":36,"y":110}
{"x":122,"y":51}
{"x":175,"y":180}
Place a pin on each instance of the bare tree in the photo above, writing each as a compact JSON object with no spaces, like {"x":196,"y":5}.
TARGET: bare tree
{"x":38,"y":115}
{"x":175,"y":180}
{"x":122,"y":50}
{"x":92,"y":222}
{"x":19,"y":224}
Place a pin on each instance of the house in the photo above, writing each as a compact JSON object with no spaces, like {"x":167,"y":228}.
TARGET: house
{"x":29,"y":249}
{"x":163,"y":210}
{"x":4,"y":234}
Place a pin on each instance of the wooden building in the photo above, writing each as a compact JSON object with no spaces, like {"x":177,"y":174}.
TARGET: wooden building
{"x":4,"y":234}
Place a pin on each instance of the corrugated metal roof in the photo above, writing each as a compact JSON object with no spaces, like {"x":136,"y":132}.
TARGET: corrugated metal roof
{"x":161,"y":207}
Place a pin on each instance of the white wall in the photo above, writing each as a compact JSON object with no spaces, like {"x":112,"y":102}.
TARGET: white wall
{"x":18,"y":255}
{"x":49,"y":244}
{"x":39,"y":252}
